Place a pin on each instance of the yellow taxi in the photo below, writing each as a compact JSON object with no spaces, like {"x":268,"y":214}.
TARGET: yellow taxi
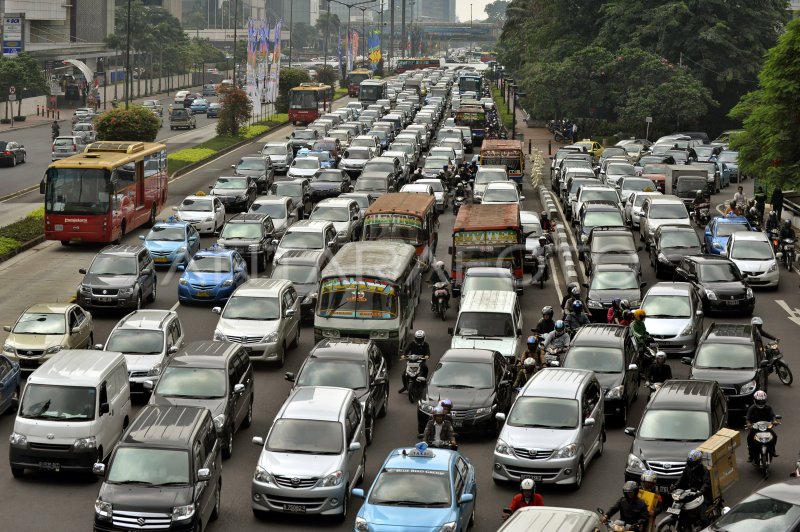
{"x":591,"y":146}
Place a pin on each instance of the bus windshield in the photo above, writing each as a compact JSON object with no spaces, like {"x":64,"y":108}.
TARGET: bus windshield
{"x":394,"y":226}
{"x":357,"y":299}
{"x":77,"y":191}
{"x":303,"y":99}
{"x":356,"y":78}
{"x":370,"y":92}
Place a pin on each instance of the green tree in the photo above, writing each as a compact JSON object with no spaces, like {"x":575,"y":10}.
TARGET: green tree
{"x":496,"y":11}
{"x":135,"y":123}
{"x":236,"y":110}
{"x":25,"y":74}
{"x":327,"y":75}
{"x":289,"y":78}
{"x":768,"y":146}
{"x":303,"y":36}
{"x":328,"y":27}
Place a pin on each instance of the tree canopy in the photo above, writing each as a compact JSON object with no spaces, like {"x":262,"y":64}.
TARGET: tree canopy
{"x":135,"y":123}
{"x":236,"y":110}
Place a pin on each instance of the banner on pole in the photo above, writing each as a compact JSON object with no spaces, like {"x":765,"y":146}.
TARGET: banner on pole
{"x":374,"y":48}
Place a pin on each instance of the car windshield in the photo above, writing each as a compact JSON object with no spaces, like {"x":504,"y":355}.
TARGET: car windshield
{"x":643,"y":185}
{"x":497,"y":324}
{"x":357,"y":154}
{"x":331,"y":214}
{"x":597,"y":218}
{"x":136,"y":341}
{"x":58,"y":403}
{"x":727,"y":229}
{"x":252,"y":308}
{"x":544,"y":412}
{"x":711,"y":168}
{"x":210,"y":265}
{"x":719,"y":272}
{"x":231,"y":183}
{"x":484,"y":177}
{"x":760,"y":513}
{"x":251,"y":164}
{"x":375,"y":185}
{"x":724,"y":356}
{"x":615,"y":280}
{"x":578,"y":182}
{"x":330,"y":372}
{"x":663,"y":306}
{"x":607,"y":194}
{"x":296,"y":273}
{"x":462,"y":375}
{"x":111,"y":265}
{"x":274,"y":150}
{"x":658,"y":169}
{"x":41,"y":323}
{"x":167,"y":234}
{"x":274,"y":210}
{"x":305,"y":436}
{"x":479,"y":282}
{"x":449,"y":143}
{"x":304,"y":134}
{"x":620,"y":169}
{"x":505,"y":194}
{"x":679,"y":239}
{"x":164,"y":466}
{"x":751,"y":250}
{"x":197,"y":205}
{"x":728,"y":157}
{"x":330,"y":177}
{"x":302,"y":240}
{"x":675,"y":425}
{"x":193,"y":383}
{"x":246,"y":231}
{"x":597,"y":359}
{"x":287,"y":188}
{"x":435,"y":163}
{"x":668,"y":211}
{"x":419,"y":488}
{"x":306,"y":163}
{"x":613,"y":244}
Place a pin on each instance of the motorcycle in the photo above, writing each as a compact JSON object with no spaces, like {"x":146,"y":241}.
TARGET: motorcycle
{"x":701,"y":214}
{"x":763,"y":435}
{"x":618,"y":525}
{"x":552,"y":355}
{"x":440,"y":299}
{"x":540,"y":269}
{"x":786,"y":252}
{"x":796,"y":472}
{"x":413,"y":376}
{"x":775,"y":364}
{"x":683,"y":515}
{"x":653,"y":387}
{"x":772,"y":234}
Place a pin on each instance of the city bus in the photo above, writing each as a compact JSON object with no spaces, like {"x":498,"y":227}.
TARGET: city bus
{"x":105,"y":192}
{"x":369,"y":290}
{"x":308,"y":101}
{"x":407,"y":217}
{"x":508,"y":153}
{"x":371,"y":90}
{"x":469,"y":82}
{"x":487,"y":235}
{"x":354,"y":79}
{"x":416,"y":63}
{"x":474,"y":117}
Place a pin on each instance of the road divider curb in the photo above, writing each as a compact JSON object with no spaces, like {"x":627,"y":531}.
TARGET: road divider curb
{"x":566,"y":260}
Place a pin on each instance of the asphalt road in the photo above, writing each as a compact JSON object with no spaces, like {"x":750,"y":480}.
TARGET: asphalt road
{"x":65,"y":502}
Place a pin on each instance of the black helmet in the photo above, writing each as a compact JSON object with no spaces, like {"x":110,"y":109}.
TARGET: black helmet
{"x":630,"y":487}
{"x":787,"y":223}
{"x":547,"y":311}
{"x":700,"y":194}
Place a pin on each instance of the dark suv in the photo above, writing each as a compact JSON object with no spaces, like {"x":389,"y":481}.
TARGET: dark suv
{"x":681,"y":415}
{"x":251,"y":234}
{"x":303,"y":267}
{"x":119,"y":277}
{"x":235,"y":192}
{"x":259,"y":167}
{"x":729,"y":354}
{"x":609,"y":351}
{"x":718,"y":282}
{"x":352,"y":363}
{"x":610,"y":245}
{"x":672,"y":242}
{"x":165,"y":473}
{"x":213,"y":375}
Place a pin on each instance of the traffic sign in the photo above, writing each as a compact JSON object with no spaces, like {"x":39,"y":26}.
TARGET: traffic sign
{"x":12,"y":89}
{"x":648,"y":119}
{"x":12,"y":97}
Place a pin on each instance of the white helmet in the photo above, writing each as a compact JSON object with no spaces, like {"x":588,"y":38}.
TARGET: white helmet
{"x":529,"y":363}
{"x":439,"y":265}
{"x":760,"y":398}
{"x":527,"y":485}
{"x":756,"y":321}
{"x":419,"y":335}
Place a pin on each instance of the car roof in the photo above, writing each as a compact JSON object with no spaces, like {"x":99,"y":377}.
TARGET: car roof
{"x":436,"y":459}
{"x":556,"y":382}
{"x":75,"y":367}
{"x":150,"y":319}
{"x":708,"y":258}
{"x":272,"y":199}
{"x":750,"y":235}
{"x":489,"y":271}
{"x":551,"y":518}
{"x":485,"y":356}
{"x":172,"y":221}
{"x":527,"y":217}
{"x":612,"y":267}
{"x":167,"y":426}
{"x":600,"y":334}
{"x":342,"y":348}
{"x":788,"y":491}
{"x":488,"y":301}
{"x":667,"y":289}
{"x":309,"y":226}
{"x":198,"y":197}
{"x":214,"y":251}
{"x":261,"y":287}
{"x":501,"y":184}
{"x":732,"y":333}
{"x":680,"y":394}
{"x":730,"y":219}
{"x":308,"y":257}
{"x":323,"y":403}
{"x":600,"y":205}
{"x":204,"y":353}
{"x":122,"y":249}
{"x":48,"y":308}
{"x":248,"y":217}
{"x":664,"y":198}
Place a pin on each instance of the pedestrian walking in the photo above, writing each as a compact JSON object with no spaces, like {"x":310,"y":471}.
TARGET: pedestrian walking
{"x":777,"y":200}
{"x":574,"y":132}
{"x":739,"y":198}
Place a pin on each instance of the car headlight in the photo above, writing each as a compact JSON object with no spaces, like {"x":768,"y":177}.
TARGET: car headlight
{"x":634,"y":464}
{"x":448,"y":527}
{"x":773,"y":267}
{"x":219,"y":422}
{"x":52,"y":349}
{"x":426,"y":408}
{"x":271,"y":337}
{"x":125,"y":291}
{"x":102,"y":509}
{"x":748,"y":388}
{"x":183,"y":282}
{"x":18,"y":439}
{"x":689,"y":329}
{"x":361,"y":525}
{"x":710,"y":294}
{"x":716,"y":245}
{"x":253,"y":247}
{"x":663,"y":258}
{"x":749,"y":293}
{"x":227,"y":282}
{"x":155,"y":371}
{"x":8,"y":348}
{"x":334,"y":479}
{"x":615,"y":392}
{"x":181,"y":249}
{"x":85,"y":443}
{"x":636,"y":303}
{"x":182,"y":513}
{"x":261,"y":475}
{"x":486,"y":410}
{"x":209,"y":219}
{"x":379,"y":334}
{"x":503,"y":448}
{"x":594,"y":304}
{"x":86,"y":290}
{"x":566,"y":452}
{"x":219,"y":337}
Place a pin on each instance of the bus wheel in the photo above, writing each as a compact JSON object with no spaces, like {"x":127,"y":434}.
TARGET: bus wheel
{"x":65,"y":243}
{"x":152,"y":220}
{"x":121,"y":233}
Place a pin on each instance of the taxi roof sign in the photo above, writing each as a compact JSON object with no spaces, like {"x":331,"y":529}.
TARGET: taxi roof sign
{"x":420,"y":450}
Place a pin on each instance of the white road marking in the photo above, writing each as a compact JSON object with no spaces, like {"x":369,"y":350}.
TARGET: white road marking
{"x":794,"y":313}
{"x":556,"y":280}
{"x":176,"y":305}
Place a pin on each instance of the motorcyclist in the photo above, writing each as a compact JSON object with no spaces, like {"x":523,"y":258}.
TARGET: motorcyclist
{"x":631,"y":508}
{"x":753,"y":217}
{"x":540,"y":255}
{"x":698,"y":203}
{"x":440,"y":275}
{"x":575,"y":295}
{"x":695,"y":477}
{"x":416,"y":175}
{"x":527,"y":496}
{"x":660,"y":371}
{"x":446,"y":175}
{"x":638,"y":328}
{"x":56,"y":129}
{"x":773,"y":224}
{"x":730,"y":210}
{"x":786,"y":230}
{"x":418,"y":347}
{"x":577,"y":318}
{"x":546,"y":324}
{"x":544,"y":221}
{"x":648,"y":493}
{"x":532,"y":351}
{"x":758,"y":326}
{"x":566,"y":301}
{"x":558,"y":337}
{"x":760,"y":411}
{"x":439,"y":431}
{"x":627,"y":318}
{"x":614,"y":311}
{"x":524,"y":375}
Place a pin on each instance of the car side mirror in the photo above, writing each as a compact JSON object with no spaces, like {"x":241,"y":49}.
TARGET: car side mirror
{"x":686,"y":360}
{"x":172,"y":349}
{"x":698,"y":313}
{"x":465,"y":498}
{"x":7,"y":328}
{"x":233,"y":166}
{"x":82,"y":270}
{"x":181,"y":267}
{"x":501,"y":417}
{"x":630,"y":431}
{"x":588,"y":422}
{"x":358,"y":493}
{"x":289,"y":376}
{"x":141,"y":237}
{"x":632,"y":367}
{"x":642,"y":285}
{"x":354,"y":446}
{"x":148,"y":385}
{"x":258,"y":440}
{"x":147,"y":271}
{"x":238,"y":388}
{"x":105,"y":408}
{"x":450,"y":331}
{"x":203,"y":474}
{"x":175,"y":208}
{"x":99,"y":469}
{"x":217,"y":310}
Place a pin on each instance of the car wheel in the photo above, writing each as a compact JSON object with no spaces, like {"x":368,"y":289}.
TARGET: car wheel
{"x":152,"y":220}
{"x":578,"y":476}
{"x":138,"y":305}
{"x":152,"y":296}
{"x":24,"y":157}
{"x":471,"y":521}
{"x":369,"y":431}
{"x":248,"y":418}
{"x":13,"y":161}
{"x":281,"y":355}
{"x":385,"y":407}
{"x":623,"y":416}
{"x":17,"y":472}
{"x":360,"y":478}
{"x":91,"y":341}
{"x":602,"y":443}
{"x":262,"y":266}
{"x":227,"y":449}
{"x":345,"y":500}
{"x":296,"y":341}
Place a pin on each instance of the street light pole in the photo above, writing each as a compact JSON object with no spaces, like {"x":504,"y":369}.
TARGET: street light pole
{"x":391,"y":32}
{"x":235,"y":23}
{"x":327,"y":34}
{"x":128,"y":56}
{"x":403,"y":30}
{"x":291,"y":30}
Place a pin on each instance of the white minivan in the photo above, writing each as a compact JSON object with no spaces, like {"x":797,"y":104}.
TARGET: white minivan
{"x":72,"y":413}
{"x":489,"y":319}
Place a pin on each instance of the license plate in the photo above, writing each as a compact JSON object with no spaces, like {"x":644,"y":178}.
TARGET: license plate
{"x":49,"y":466}
{"x":202,"y":294}
{"x":295,"y":508}
{"x":457,"y":423}
{"x":663,"y":489}
{"x":675,"y":511}
{"x":535,"y":478}
{"x":732,"y":302}
{"x":26,"y":363}
{"x":105,"y":299}
{"x":161,"y":260}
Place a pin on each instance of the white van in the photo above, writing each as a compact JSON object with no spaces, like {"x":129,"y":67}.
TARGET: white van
{"x":489,"y":319}
{"x":73,"y":411}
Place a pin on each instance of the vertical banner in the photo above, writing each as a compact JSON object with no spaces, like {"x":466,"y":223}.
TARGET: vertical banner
{"x":354,"y":44}
{"x":251,"y":77}
{"x":263,"y":59}
{"x":277,"y":55}
{"x":349,"y":51}
{"x":374,"y":48}
{"x":339,"y":51}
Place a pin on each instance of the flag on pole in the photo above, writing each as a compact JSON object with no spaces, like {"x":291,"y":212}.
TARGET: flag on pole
{"x":340,"y":48}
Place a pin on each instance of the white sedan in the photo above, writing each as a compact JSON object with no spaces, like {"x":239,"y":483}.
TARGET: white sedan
{"x":205,"y":213}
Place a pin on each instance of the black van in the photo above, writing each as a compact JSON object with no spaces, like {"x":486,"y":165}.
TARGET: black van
{"x":165,"y":474}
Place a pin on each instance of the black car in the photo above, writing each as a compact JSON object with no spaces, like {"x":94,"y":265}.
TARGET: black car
{"x":329,"y":183}
{"x":259,"y":168}
{"x":610,"y":352}
{"x":730,"y":354}
{"x":610,"y":281}
{"x":302,"y":138}
{"x":235,"y":192}
{"x":213,"y":375}
{"x":477,"y":381}
{"x":251,"y":234}
{"x":303,"y":267}
{"x":718,"y":283}
{"x":119,"y":277}
{"x":299,"y":190}
{"x":670,"y":244}
{"x":12,"y":153}
{"x":353,"y":363}
{"x":610,"y":245}
{"x":165,"y":473}
{"x":597,"y":213}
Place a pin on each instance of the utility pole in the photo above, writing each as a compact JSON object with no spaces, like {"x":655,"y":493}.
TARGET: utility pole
{"x":235,"y":23}
{"x":327,"y":34}
{"x":403,"y":30}
{"x":291,"y":30}
{"x":128,"y":57}
{"x":391,"y":32}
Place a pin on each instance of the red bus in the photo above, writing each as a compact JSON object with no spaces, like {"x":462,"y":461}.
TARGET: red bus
{"x":106,"y":191}
{"x":416,"y":63}
{"x":308,"y":101}
{"x":354,"y":78}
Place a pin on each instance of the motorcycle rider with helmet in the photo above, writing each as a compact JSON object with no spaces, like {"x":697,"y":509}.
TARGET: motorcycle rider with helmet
{"x":614,"y":311}
{"x":440,"y":275}
{"x":577,"y":318}
{"x":524,"y":375}
{"x":627,"y":318}
{"x":695,"y":477}
{"x":566,"y":301}
{"x":759,"y":411}
{"x":544,"y":221}
{"x":773,"y":224}
{"x":660,"y":371}
{"x":439,"y":430}
{"x":758,"y":326}
{"x":648,"y":493}
{"x":532,"y":351}
{"x":786,"y":230}
{"x":631,"y":508}
{"x":546,"y":324}
{"x":527,"y":496}
{"x":698,"y":203}
{"x":558,"y":337}
{"x":418,"y":347}
{"x":638,"y":328}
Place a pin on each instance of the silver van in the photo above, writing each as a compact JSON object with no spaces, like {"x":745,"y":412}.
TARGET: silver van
{"x":313,"y":454}
{"x":549,"y":518}
{"x":554,"y":428}
{"x":489,"y":319}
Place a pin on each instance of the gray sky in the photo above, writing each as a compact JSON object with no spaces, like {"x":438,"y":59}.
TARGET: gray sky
{"x":462,"y":9}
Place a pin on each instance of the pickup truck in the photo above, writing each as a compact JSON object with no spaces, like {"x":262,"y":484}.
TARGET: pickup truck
{"x":182,"y":118}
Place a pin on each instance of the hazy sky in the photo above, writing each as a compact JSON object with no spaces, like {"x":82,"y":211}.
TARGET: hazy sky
{"x":462,"y":9}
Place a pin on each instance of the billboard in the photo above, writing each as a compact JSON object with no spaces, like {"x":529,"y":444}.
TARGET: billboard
{"x":13,"y":42}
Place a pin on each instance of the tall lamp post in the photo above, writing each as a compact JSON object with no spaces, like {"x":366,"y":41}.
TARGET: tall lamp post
{"x":291,"y":30}
{"x":509,"y":84}
{"x":515,"y":92}
{"x":235,"y":24}
{"x":128,"y":56}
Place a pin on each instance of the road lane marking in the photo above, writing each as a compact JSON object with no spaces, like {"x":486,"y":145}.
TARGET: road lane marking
{"x":556,"y":280}
{"x":175,"y":306}
{"x":793,"y":313}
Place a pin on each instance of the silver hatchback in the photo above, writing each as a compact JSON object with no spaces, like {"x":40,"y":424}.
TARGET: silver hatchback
{"x":674,"y":317}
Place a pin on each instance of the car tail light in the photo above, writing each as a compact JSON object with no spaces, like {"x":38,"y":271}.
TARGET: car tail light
{"x":74,"y":147}
{"x":8,"y":153}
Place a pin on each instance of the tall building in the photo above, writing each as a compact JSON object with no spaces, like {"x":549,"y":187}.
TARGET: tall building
{"x":298,"y":11}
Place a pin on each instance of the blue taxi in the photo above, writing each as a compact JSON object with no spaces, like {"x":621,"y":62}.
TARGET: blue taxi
{"x":719,"y":230}
{"x":325,"y":159}
{"x":425,"y":489}
{"x":172,"y":242}
{"x":211,"y":276}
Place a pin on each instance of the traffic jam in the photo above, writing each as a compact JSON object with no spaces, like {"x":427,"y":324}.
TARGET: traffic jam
{"x":374,"y":298}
